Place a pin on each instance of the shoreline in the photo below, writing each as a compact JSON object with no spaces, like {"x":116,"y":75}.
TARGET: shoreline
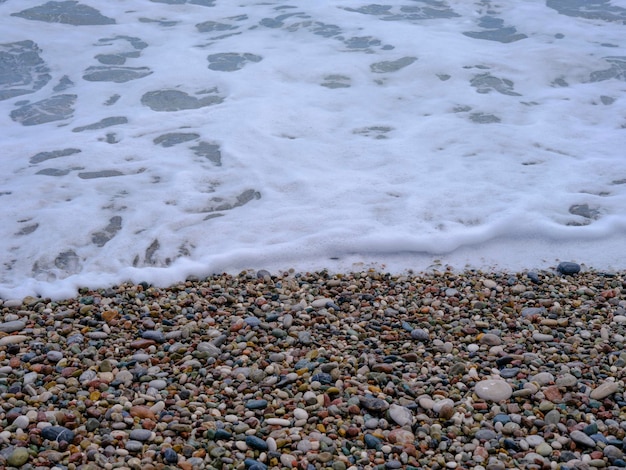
{"x":362,"y":370}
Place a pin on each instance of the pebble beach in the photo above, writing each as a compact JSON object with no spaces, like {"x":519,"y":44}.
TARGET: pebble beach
{"x":354,"y":371}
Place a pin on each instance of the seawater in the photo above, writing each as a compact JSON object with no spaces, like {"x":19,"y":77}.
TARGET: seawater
{"x":155,"y":140}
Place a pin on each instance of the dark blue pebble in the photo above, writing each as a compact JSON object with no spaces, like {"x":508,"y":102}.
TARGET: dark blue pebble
{"x":221,"y":434}
{"x":252,"y":464}
{"x":57,"y":433}
{"x":256,"y":443}
{"x":511,"y":444}
{"x":252,"y":321}
{"x":533,"y":277}
{"x":75,"y":339}
{"x":154,"y":335}
{"x":502,"y":418}
{"x":304,"y":364}
{"x":590,"y":429}
{"x":617,"y":463}
{"x":170,"y":455}
{"x":272,"y":317}
{"x":599,"y":438}
{"x":567,"y":267}
{"x":333,"y":306}
{"x":322,"y":378}
{"x":393,"y":464}
{"x":407,"y":326}
{"x":256,"y":404}
{"x":509,"y":373}
{"x":504,"y":361}
{"x":372,"y":442}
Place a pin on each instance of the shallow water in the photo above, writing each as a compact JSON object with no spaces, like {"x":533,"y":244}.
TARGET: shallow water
{"x":156,"y":140}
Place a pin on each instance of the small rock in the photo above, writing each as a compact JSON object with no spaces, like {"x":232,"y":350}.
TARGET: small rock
{"x":604,"y":390}
{"x":11,"y":326}
{"x":141,"y":435}
{"x":256,"y":443}
{"x":581,"y":438}
{"x":18,"y":457}
{"x":493,"y":390}
{"x":567,"y":267}
{"x":401,"y":415}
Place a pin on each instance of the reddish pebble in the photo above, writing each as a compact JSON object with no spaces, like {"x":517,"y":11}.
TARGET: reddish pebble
{"x":142,"y":343}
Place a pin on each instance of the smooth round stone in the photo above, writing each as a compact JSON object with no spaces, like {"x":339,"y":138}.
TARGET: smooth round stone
{"x":400,"y":415}
{"x":18,"y":457}
{"x":612,"y":452}
{"x":542,"y":338}
{"x":490,"y":339}
{"x":256,"y":443}
{"x":493,"y":390}
{"x":12,"y":303}
{"x":566,"y":380}
{"x":170,"y":455}
{"x":581,"y":438}
{"x":372,"y":442}
{"x":133,"y":446}
{"x":420,"y":334}
{"x":473,"y":348}
{"x":158,"y":384}
{"x":288,"y":460}
{"x":544,"y":449}
{"x":12,"y":326}
{"x":485,"y":434}
{"x":401,"y":436}
{"x":154,"y":335}
{"x":21,"y":422}
{"x":534,"y":440}
{"x":141,"y":435}
{"x":568,"y":267}
{"x":604,"y":390}
{"x":509,"y":372}
{"x":552,"y":417}
{"x":252,"y":321}
{"x":426,"y":402}
{"x":542,"y":378}
{"x":97,"y":335}
{"x":277,"y":422}
{"x":256,"y":404}
{"x":300,"y":413}
{"x":13,"y":339}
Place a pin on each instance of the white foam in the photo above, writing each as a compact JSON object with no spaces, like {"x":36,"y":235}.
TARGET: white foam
{"x":479,"y":153}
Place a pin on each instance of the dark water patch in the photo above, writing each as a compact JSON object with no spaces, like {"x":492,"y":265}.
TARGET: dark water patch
{"x":164,"y":23}
{"x":27,"y":230}
{"x":336,"y":81}
{"x":102,"y":237}
{"x":67,"y":12}
{"x":218,"y":204}
{"x":485,"y":83}
{"x":392,"y":65}
{"x":585,"y":211}
{"x":43,"y":156}
{"x":88,"y":175}
{"x":214,"y":26}
{"x":209,"y":151}
{"x":494,"y":30}
{"x":484,"y":118}
{"x":362,"y":42}
{"x":589,"y":9}
{"x":616,"y":70}
{"x":175,"y":138}
{"x":22,"y":70}
{"x":68,"y":261}
{"x":112,"y":100}
{"x":116,"y":74}
{"x":174,"y":100}
{"x":231,"y":61}
{"x":63,"y":84}
{"x":103,"y":123}
{"x":57,"y":108}
{"x":375,"y":132}
{"x":52,"y":172}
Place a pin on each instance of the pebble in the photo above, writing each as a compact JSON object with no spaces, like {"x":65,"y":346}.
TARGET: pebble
{"x":12,"y":326}
{"x":17,"y":457}
{"x":400,"y":415}
{"x":604,"y":390}
{"x":493,"y":390}
{"x":581,"y":438}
